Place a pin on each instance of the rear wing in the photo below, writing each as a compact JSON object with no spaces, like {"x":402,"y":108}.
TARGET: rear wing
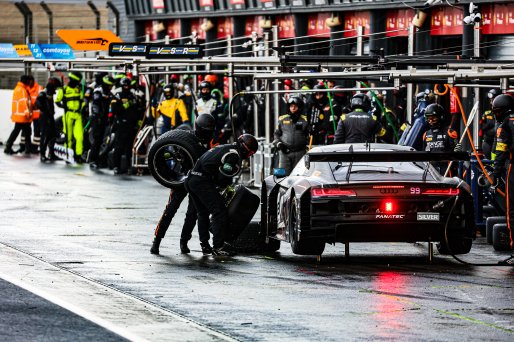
{"x":384,"y":156}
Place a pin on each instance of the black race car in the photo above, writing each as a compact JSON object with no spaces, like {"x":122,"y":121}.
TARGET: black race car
{"x":368,"y":193}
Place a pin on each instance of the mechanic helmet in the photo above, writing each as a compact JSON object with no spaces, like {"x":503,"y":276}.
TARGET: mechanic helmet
{"x":360,"y":101}
{"x":205,"y":94}
{"x":434,"y":110}
{"x":298,"y":101}
{"x":247,"y":145}
{"x":288,"y":83}
{"x":205,"y":125}
{"x":168,"y":91}
{"x":420,"y":97}
{"x":108,"y":81}
{"x":339,"y":96}
{"x":323,"y":94}
{"x":125,"y":83}
{"x":75,"y":78}
{"x":98,"y":77}
{"x":503,"y":105}
{"x":174,"y":78}
{"x":491,"y":94}
{"x":212,"y":79}
{"x":52,"y":84}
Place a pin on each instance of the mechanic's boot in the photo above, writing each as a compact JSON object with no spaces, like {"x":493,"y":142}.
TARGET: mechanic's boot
{"x":225,"y":250}
{"x":183,"y":247}
{"x":8,"y":149}
{"x":155,"y":245}
{"x":206,"y":248}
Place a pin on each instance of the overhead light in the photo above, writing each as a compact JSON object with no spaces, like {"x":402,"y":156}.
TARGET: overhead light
{"x":265,"y":23}
{"x":419,"y":18}
{"x":206,"y":25}
{"x":333,"y":20}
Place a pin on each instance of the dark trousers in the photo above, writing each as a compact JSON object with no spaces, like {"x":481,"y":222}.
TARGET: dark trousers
{"x":208,"y":201}
{"x":26,"y":132}
{"x":487,"y":148}
{"x":97,"y":135}
{"x":48,"y":134}
{"x":174,"y":201}
{"x":122,"y":145}
{"x":510,"y":203}
{"x":37,"y":131}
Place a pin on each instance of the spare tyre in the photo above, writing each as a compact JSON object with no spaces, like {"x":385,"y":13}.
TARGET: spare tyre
{"x":172,"y":156}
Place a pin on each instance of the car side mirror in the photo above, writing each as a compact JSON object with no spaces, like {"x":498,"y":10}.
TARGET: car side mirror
{"x":279,"y":172}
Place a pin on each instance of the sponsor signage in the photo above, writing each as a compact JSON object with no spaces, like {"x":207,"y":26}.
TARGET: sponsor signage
{"x":127,"y":49}
{"x":90,"y":40}
{"x":158,"y":4}
{"x":225,"y":27}
{"x":432,"y":217}
{"x":51,"y":51}
{"x":390,"y":216}
{"x":352,"y":20}
{"x":237,"y":4}
{"x":317,"y":25}
{"x":207,"y":5}
{"x":497,"y":18}
{"x":285,"y":26}
{"x":8,"y":51}
{"x":398,"y":21}
{"x":268,"y":3}
{"x":173,"y":51}
{"x":23,"y":50}
{"x":446,"y":21}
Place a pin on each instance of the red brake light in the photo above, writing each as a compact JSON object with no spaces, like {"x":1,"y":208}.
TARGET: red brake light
{"x":388,"y":206}
{"x":331,"y":192}
{"x":441,"y":192}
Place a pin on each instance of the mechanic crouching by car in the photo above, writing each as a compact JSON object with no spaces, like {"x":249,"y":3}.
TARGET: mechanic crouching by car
{"x":439,"y":137}
{"x":291,"y":135}
{"x":204,"y":129}
{"x":358,"y":126}
{"x":503,"y":110}
{"x":214,"y":169}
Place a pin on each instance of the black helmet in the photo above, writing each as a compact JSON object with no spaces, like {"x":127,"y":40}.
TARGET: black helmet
{"x":125,"y":82}
{"x":503,"y":105}
{"x":297,"y":101}
{"x":207,"y":95}
{"x":205,"y":124}
{"x":204,"y":84}
{"x":360,"y":101}
{"x":339,"y":95}
{"x":436,"y":110}
{"x":108,"y":80}
{"x":98,"y":76}
{"x":168,"y":91}
{"x":247,"y":145}
{"x":491,"y":94}
{"x":52,"y":84}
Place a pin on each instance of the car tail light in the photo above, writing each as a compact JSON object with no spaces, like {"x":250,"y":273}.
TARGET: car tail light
{"x":441,"y":192}
{"x":388,"y":186}
{"x":331,"y":192}
{"x":388,"y":206}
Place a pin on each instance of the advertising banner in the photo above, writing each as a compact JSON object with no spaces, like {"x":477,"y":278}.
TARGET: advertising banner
{"x":51,"y":51}
{"x":398,"y":21}
{"x":89,"y":40}
{"x":173,"y":51}
{"x":354,"y":19}
{"x":23,"y":50}
{"x":446,"y":21}
{"x":8,"y":51}
{"x":127,"y":49}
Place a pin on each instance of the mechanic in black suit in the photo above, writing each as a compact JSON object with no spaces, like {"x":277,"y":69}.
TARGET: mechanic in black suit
{"x":503,"y":110}
{"x":358,"y":126}
{"x":214,"y":169}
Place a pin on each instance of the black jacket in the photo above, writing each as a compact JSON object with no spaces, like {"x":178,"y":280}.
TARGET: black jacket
{"x":358,"y":127}
{"x":504,"y":146}
{"x":293,"y":132}
{"x":219,"y":164}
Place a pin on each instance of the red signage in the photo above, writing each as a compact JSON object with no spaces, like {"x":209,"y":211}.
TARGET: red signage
{"x":398,"y":21}
{"x":206,"y":3}
{"x":158,"y":4}
{"x":237,"y":2}
{"x":149,"y":30}
{"x":252,"y":25}
{"x":196,"y":26}
{"x":497,"y":18}
{"x":352,"y":20}
{"x":225,"y":27}
{"x":174,"y":28}
{"x":285,"y":25}
{"x":317,"y":25}
{"x":446,"y":21}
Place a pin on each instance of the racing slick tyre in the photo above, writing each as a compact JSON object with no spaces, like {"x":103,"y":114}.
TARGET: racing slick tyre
{"x":489,"y":224}
{"x":252,"y":240}
{"x":241,"y":209}
{"x":172,"y":156}
{"x":298,"y":245}
{"x":501,"y":240}
{"x":457,"y":240}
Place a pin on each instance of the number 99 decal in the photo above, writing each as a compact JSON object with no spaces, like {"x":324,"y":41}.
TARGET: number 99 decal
{"x":415,"y":191}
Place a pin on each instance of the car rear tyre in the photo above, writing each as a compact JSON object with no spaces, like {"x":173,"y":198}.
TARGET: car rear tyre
{"x":172,"y":156}
{"x":301,"y":246}
{"x":459,"y":238}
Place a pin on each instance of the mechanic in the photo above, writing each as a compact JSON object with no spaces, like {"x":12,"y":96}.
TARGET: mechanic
{"x":291,"y":135}
{"x":99,"y":113}
{"x":320,"y":117}
{"x":488,"y":125}
{"x":21,"y":116}
{"x":45,"y":103}
{"x":503,"y":110}
{"x":216,"y":168}
{"x":439,"y":137}
{"x":71,"y":99}
{"x":358,"y":126}
{"x":170,"y":107}
{"x":34,"y":91}
{"x":204,"y":132}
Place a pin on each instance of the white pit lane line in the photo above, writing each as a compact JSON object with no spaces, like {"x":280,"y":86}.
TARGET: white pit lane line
{"x":123,"y":314}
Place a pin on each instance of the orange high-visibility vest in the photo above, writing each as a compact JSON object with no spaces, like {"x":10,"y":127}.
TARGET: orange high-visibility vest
{"x":21,"y":104}
{"x":34,"y":92}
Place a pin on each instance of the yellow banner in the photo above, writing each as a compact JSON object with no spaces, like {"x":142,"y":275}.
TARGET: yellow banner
{"x":23,"y":50}
{"x":94,"y":40}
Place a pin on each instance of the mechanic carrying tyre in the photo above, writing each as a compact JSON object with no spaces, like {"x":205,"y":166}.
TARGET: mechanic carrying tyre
{"x":216,"y":168}
{"x":503,"y":110}
{"x":291,"y":135}
{"x":205,"y":125}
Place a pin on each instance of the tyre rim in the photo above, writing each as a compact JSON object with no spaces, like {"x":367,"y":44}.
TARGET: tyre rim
{"x":172,"y":163}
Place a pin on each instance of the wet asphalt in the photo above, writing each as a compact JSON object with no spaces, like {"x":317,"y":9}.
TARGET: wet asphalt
{"x":99,"y":227}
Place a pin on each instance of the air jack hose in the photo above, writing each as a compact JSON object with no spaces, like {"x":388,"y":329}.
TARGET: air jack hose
{"x":383,"y":111}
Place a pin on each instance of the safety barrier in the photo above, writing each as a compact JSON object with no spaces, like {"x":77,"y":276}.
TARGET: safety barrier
{"x":261,"y":164}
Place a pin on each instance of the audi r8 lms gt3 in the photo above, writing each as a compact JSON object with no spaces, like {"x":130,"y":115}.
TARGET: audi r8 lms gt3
{"x":368,"y":193}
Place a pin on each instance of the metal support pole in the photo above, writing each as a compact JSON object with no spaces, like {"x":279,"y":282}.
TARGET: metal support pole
{"x":360,"y":47}
{"x":347,"y":249}
{"x":27,"y":20}
{"x":276,"y":82}
{"x":255,"y":88}
{"x":194,"y":38}
{"x":430,"y":251}
{"x":410,"y":89}
{"x":50,"y":16}
{"x":476,"y":53}
{"x":96,"y":12}
{"x":230,"y":70}
{"x":167,"y":77}
{"x":267,"y":111}
{"x":116,"y":16}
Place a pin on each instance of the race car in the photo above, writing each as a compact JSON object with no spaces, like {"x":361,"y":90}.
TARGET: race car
{"x":368,"y":193}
